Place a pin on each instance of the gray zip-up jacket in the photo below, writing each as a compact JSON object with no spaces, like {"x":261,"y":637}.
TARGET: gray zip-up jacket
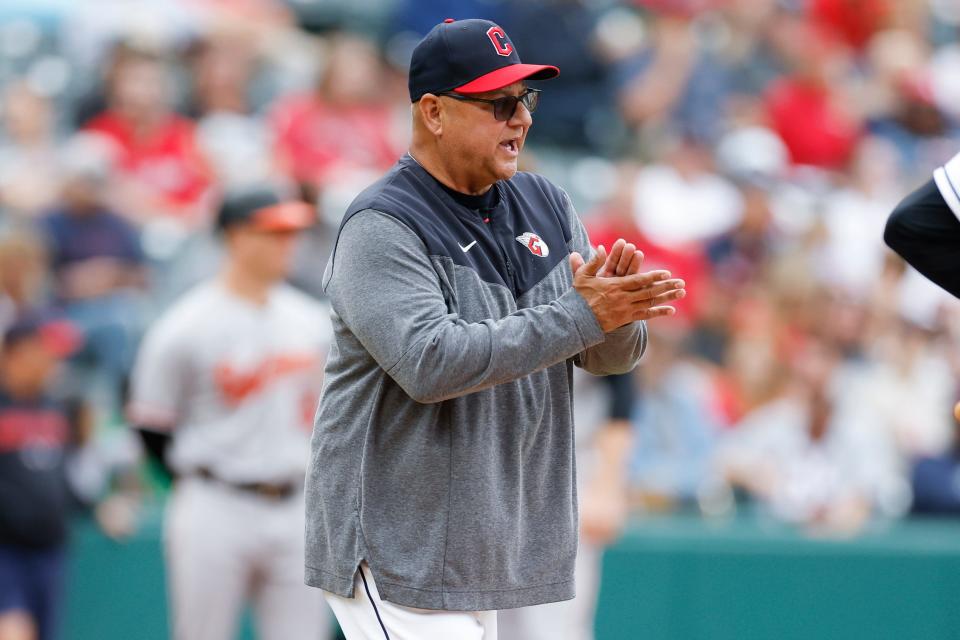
{"x":443,"y":448}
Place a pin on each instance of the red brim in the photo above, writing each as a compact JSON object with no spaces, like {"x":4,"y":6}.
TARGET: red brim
{"x":60,"y":337}
{"x":287,"y":216}
{"x":505,"y":76}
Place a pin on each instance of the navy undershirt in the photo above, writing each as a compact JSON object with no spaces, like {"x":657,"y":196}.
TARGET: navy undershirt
{"x":484,"y":202}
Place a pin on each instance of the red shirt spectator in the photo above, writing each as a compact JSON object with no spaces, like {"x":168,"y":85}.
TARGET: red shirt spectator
{"x":166,"y":159}
{"x":345,"y":124}
{"x":812,"y":126}
{"x":855,"y":21}
{"x":314,"y":138}
{"x":156,"y":148}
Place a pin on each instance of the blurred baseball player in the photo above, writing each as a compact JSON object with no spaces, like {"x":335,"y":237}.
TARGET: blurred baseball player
{"x":925,"y":228}
{"x":231,"y":372}
{"x":441,"y":485}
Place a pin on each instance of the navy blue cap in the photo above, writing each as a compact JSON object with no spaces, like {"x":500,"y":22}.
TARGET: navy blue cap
{"x":469,"y":56}
{"x":58,"y":335}
{"x":261,"y":208}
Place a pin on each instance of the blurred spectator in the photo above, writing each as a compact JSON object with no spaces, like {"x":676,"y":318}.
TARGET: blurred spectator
{"x":901,"y":101}
{"x":679,"y":205}
{"x":98,"y":266}
{"x":164,"y":174}
{"x":739,"y":256}
{"x":676,"y":426}
{"x":38,"y":433}
{"x":750,"y":55}
{"x":853,"y":20}
{"x":673,"y":83}
{"x":23,"y":273}
{"x":812,"y":108}
{"x":854,"y":217}
{"x":334,"y":142}
{"x":419,"y":16}
{"x":28,"y":151}
{"x":755,"y":160}
{"x":936,"y":480}
{"x":681,"y":201}
{"x":909,"y":385}
{"x":754,"y":343}
{"x":342,"y":132}
{"x":577,"y":109}
{"x":231,"y":133}
{"x":811,"y":456}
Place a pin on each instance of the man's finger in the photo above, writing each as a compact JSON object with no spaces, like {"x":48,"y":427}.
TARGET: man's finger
{"x":643,"y":280}
{"x":654,"y":312}
{"x":625,"y":258}
{"x":635,"y":263}
{"x":660,"y":299}
{"x":663,"y":287}
{"x":610,"y":265}
{"x":576,"y":261}
{"x":593,"y":266}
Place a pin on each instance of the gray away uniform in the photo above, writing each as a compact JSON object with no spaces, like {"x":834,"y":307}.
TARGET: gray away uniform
{"x":443,"y":447}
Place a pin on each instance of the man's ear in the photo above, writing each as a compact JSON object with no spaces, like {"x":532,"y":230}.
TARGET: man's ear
{"x":431,"y":113}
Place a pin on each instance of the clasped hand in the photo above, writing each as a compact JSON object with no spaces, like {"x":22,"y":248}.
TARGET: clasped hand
{"x":617,"y":292}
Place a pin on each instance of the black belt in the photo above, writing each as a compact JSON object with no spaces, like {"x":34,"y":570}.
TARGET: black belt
{"x":271,"y":490}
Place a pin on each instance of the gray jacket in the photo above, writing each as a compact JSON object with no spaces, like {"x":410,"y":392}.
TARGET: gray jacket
{"x":443,"y":447}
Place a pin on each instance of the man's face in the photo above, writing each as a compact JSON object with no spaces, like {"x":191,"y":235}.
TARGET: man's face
{"x":140,"y":88}
{"x":485,"y":148}
{"x":267,"y":254}
{"x":31,"y":363}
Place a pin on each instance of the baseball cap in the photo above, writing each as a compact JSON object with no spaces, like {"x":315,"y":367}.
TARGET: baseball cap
{"x":59,"y":336}
{"x":262,"y":209}
{"x":469,"y":56}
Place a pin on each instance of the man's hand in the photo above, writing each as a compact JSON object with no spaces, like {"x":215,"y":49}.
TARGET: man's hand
{"x":620,"y":300}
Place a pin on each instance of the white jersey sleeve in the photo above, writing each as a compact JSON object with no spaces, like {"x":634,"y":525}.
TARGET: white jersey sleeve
{"x":160,"y":376}
{"x":947,"y":178}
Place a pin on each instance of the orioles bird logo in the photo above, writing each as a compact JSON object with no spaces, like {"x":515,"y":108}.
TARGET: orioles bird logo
{"x":533,"y":242}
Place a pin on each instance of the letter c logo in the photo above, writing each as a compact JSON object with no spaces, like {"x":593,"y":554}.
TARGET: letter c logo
{"x":500,"y":42}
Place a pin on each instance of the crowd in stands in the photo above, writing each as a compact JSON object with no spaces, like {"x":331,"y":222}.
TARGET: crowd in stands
{"x":753,"y":147}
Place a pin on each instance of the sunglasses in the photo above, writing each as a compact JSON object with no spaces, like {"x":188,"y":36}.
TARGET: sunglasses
{"x":505,"y":107}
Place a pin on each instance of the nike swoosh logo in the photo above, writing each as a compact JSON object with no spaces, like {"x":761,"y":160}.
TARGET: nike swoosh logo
{"x":468,"y":247}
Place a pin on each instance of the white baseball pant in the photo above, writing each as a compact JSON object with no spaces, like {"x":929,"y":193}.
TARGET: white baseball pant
{"x":226,"y":547}
{"x":367,"y":617}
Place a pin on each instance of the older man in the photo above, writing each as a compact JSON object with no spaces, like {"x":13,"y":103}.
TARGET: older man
{"x":441,"y":484}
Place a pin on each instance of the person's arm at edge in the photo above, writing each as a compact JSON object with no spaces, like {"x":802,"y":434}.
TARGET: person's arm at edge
{"x":156,"y":444}
{"x":924,"y":229}
{"x":153,"y":391}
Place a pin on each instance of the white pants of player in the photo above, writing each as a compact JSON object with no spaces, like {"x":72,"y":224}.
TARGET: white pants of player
{"x":225,"y":548}
{"x":567,"y":620}
{"x":366,"y":617}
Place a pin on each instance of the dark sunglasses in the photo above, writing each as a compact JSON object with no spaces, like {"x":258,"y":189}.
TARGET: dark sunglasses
{"x":505,"y":107}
